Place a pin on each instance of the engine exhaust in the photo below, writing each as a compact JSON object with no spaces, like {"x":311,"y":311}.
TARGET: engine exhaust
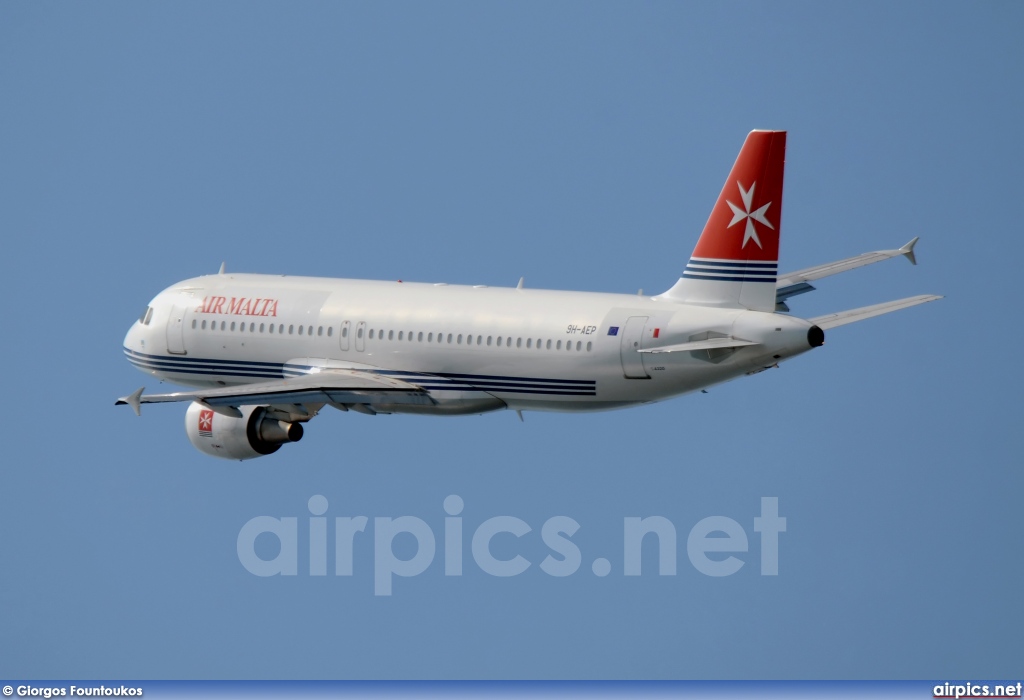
{"x":815,"y":337}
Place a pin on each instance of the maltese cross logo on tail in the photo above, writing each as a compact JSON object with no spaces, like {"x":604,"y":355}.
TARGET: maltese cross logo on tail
{"x":738,"y":215}
{"x":757,"y":177}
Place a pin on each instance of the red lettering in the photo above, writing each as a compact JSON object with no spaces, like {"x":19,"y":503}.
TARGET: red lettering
{"x":237,"y":306}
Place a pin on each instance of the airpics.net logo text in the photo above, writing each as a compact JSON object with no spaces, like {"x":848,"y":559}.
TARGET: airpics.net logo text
{"x":712,"y":544}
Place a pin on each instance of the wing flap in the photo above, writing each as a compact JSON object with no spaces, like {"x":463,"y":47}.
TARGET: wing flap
{"x":853,"y":315}
{"x":333,"y":386}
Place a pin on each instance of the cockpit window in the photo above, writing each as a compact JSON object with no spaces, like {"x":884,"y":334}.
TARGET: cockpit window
{"x":146,"y":316}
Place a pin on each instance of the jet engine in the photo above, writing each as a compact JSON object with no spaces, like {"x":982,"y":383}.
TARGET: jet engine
{"x":252,"y":434}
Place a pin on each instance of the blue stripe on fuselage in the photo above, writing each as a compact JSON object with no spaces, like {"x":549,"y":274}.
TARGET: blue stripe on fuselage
{"x":441,"y":381}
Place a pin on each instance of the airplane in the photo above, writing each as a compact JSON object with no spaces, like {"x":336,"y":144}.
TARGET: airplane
{"x":264,"y":354}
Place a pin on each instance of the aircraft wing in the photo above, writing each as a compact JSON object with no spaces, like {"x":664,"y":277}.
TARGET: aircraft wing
{"x":793,"y":283}
{"x":853,"y":315}
{"x":336,"y":387}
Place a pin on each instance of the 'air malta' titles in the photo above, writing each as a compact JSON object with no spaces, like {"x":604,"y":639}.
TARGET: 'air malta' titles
{"x":238,"y":306}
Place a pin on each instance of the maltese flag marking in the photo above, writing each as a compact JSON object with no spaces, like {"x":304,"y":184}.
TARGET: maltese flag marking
{"x":746,"y":221}
{"x":206,"y":423}
{"x":738,"y":215}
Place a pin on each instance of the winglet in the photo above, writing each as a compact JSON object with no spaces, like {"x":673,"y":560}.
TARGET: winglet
{"x":520,"y":285}
{"x":135,"y":401}
{"x":221,"y":270}
{"x":908,"y":250}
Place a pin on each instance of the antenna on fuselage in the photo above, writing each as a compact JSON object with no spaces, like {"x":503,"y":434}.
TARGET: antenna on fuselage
{"x":221,"y":270}
{"x":520,"y":285}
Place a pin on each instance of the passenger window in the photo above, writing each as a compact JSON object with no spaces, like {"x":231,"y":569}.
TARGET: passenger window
{"x":519,"y":342}
{"x":549,"y":344}
{"x":449,"y":338}
{"x":204,"y":325}
{"x":499,"y":341}
{"x":271,"y":328}
{"x":309,"y":330}
{"x":529,"y":343}
{"x":193,"y":324}
{"x":319,"y":331}
{"x":291,"y":329}
{"x":430,"y":337}
{"x":401,"y":334}
{"x":391,"y":335}
{"x":488,"y":341}
{"x":589,"y":345}
{"x":479,"y":340}
{"x":359,"y":333}
{"x":458,"y":341}
{"x":223,"y":325}
{"x":371,"y":334}
{"x":579,"y":344}
{"x":420,"y":336}
{"x":558,"y":346}
{"x":330,"y":331}
{"x":232,"y":325}
{"x":280,"y":329}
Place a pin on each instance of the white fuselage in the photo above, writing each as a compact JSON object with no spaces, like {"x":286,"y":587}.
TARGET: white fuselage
{"x":474,"y":349}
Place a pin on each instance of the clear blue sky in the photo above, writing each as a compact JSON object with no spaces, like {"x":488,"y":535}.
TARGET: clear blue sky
{"x":580,"y":145}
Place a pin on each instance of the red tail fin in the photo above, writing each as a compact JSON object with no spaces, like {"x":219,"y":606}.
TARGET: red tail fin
{"x":736,"y":259}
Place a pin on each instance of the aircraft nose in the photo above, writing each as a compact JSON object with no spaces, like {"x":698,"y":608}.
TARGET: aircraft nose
{"x":135,"y":338}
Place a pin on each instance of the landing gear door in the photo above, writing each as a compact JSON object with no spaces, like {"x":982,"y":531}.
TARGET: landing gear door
{"x":632,"y":337}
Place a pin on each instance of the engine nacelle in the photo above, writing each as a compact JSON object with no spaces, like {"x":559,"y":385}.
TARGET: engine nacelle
{"x":253,"y":434}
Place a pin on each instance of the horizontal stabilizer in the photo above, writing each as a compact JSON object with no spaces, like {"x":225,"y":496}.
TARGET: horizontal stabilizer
{"x":854,"y":315}
{"x":834,"y":268}
{"x":709,"y":344}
